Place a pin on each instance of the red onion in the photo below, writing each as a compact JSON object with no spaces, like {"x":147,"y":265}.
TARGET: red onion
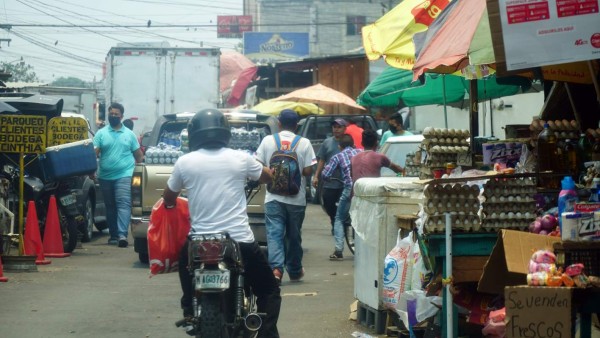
{"x":543,"y":232}
{"x":549,"y":222}
{"x":535,"y":226}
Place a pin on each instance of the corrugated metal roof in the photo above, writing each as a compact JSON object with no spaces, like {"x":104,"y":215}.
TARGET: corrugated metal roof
{"x":18,"y":85}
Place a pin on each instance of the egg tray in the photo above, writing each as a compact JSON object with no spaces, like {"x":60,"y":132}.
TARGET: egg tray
{"x":525,"y":209}
{"x":492,"y":226}
{"x":442,"y":206}
{"x":430,"y":132}
{"x":438,"y":160}
{"x":412,"y":170}
{"x":468,"y":223}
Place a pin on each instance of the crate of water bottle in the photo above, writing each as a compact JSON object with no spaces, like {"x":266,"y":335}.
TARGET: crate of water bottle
{"x":244,"y":140}
{"x":170,"y":138}
{"x":162,"y":154}
{"x":184,"y":141}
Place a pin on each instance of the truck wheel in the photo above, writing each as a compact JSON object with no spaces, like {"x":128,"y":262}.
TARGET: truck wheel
{"x":87,"y":226}
{"x":143,"y":256}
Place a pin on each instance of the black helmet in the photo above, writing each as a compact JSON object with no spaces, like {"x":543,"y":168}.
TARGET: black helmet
{"x":208,"y":126}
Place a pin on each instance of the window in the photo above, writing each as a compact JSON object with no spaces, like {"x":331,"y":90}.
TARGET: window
{"x":354,"y":24}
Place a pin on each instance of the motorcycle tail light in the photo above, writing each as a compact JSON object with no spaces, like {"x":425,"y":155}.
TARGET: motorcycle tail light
{"x":208,"y":248}
{"x":136,"y":190}
{"x":210,"y":252}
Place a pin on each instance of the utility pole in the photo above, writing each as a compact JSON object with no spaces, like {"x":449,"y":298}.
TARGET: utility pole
{"x":7,"y":28}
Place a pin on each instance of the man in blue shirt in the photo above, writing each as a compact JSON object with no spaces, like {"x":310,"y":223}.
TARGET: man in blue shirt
{"x":118,"y":150}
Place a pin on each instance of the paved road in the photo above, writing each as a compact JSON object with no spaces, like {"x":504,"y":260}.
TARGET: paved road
{"x":103,"y":291}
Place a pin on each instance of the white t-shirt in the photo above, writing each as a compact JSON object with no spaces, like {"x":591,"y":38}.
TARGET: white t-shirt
{"x":306,"y":158}
{"x":215,"y":180}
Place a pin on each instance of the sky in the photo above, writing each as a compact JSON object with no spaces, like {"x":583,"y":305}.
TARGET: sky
{"x":89,"y":28}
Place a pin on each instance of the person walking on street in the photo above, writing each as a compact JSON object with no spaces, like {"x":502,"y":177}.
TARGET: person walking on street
{"x":396,"y":128}
{"x":330,"y":190}
{"x":341,"y":160}
{"x":118,"y":150}
{"x":284,"y":214}
{"x":356,"y":132}
{"x":369,"y":162}
{"x":214,"y":177}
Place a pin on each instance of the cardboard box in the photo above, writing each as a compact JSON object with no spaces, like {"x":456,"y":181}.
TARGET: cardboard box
{"x":509,"y":261}
{"x":538,"y":311}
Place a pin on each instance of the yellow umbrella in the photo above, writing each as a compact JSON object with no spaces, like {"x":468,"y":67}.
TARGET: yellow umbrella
{"x":270,"y":107}
{"x":391,"y":35}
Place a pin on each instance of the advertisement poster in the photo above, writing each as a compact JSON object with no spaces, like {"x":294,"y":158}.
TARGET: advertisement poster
{"x":548,"y":32}
{"x":233,"y":26}
{"x":271,"y":47}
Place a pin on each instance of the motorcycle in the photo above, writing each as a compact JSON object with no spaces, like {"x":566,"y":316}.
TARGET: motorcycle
{"x":34,"y":189}
{"x":224,"y":306}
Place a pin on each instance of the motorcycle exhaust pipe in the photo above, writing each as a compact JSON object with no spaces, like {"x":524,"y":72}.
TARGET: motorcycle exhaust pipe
{"x":253,"y":322}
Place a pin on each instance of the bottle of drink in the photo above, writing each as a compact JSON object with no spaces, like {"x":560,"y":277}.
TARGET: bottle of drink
{"x":548,"y":157}
{"x":585,"y":149}
{"x":572,"y":159}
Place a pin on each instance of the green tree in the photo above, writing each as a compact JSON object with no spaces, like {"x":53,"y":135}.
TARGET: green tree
{"x":20,"y":71}
{"x":70,"y":82}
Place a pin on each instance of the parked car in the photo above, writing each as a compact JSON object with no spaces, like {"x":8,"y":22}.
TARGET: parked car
{"x":317,"y":128}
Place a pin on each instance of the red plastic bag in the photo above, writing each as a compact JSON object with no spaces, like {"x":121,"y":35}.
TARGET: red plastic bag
{"x":167,"y":233}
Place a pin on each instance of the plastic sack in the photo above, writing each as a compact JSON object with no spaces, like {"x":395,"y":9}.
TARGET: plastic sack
{"x":420,"y":275}
{"x":167,"y":233}
{"x":397,"y":271}
{"x":425,"y":307}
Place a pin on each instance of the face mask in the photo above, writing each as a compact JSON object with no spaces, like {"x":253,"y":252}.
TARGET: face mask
{"x":393,"y":129}
{"x":114,"y":121}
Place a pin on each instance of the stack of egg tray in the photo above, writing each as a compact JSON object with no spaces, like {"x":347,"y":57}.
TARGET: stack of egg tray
{"x":442,"y":146}
{"x":460,"y":200}
{"x":508,"y":203}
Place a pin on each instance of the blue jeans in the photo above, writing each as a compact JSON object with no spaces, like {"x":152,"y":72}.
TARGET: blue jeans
{"x":117,"y":199}
{"x":284,"y":236}
{"x":342,"y":214}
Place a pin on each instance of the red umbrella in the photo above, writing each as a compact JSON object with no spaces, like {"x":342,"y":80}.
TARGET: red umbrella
{"x":236,"y":72}
{"x":459,"y":36}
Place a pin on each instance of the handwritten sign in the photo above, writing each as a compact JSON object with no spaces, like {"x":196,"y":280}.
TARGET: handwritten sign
{"x":63,"y":130}
{"x":22,"y":134}
{"x":538,"y":312}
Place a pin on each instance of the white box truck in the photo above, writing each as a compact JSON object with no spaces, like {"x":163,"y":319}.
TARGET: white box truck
{"x":154,"y":79}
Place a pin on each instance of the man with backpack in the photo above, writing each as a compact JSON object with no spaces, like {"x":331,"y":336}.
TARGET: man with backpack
{"x":291,"y":158}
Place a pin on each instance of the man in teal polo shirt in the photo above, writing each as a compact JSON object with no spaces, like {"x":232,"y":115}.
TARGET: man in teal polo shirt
{"x":118,"y":150}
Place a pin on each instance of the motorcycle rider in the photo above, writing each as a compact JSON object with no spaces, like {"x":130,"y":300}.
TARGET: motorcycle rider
{"x":214,"y":177}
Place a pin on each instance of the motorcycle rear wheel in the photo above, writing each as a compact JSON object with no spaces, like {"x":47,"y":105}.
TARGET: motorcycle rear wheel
{"x":212,"y":321}
{"x":68,"y":226}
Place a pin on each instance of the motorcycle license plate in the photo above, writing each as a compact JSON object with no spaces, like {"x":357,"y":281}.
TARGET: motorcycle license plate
{"x":213,"y":279}
{"x":68,"y":200}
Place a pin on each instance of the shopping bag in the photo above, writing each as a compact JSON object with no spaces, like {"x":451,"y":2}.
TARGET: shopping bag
{"x":397,"y":271}
{"x":167,"y":233}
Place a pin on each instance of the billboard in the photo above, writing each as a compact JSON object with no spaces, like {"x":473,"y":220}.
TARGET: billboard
{"x":549,"y":32}
{"x":271,"y":47}
{"x":233,"y":26}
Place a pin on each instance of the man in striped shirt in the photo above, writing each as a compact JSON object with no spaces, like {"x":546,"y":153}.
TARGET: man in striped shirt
{"x":342,"y":160}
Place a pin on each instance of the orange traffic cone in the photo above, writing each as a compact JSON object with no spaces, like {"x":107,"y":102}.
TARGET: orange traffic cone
{"x":33,"y":240}
{"x":2,"y":278}
{"x":53,"y":244}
